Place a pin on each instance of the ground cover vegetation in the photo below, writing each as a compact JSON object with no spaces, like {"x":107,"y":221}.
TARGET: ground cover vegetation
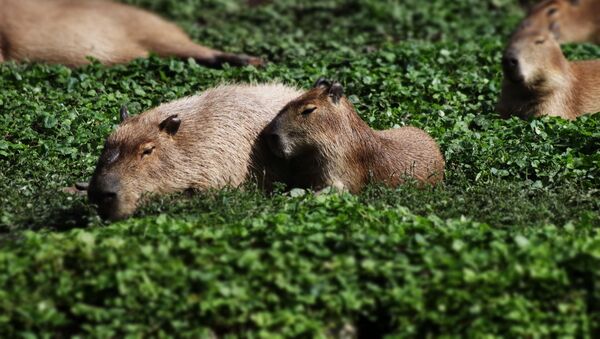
{"x":509,"y":245}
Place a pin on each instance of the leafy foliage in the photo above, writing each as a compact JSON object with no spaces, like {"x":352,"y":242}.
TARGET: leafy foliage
{"x":509,"y":245}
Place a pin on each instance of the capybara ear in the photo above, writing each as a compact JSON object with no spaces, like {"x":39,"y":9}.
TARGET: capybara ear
{"x":323,"y":83}
{"x":124,"y":113}
{"x":336,"y":91}
{"x":170,"y":125}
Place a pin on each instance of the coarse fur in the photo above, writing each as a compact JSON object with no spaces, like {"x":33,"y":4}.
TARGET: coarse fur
{"x":539,"y":80}
{"x":570,"y":21}
{"x":69,"y":31}
{"x":199,"y":142}
{"x":326,"y":143}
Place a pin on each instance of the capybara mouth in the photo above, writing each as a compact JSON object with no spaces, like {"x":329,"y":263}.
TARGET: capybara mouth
{"x":111,"y":213}
{"x":106,"y":207}
{"x":513,"y":74}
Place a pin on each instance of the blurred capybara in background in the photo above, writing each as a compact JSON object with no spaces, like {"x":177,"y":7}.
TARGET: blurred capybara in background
{"x":539,"y":80}
{"x":323,"y":138}
{"x":68,"y":31}
{"x":568,"y":20}
{"x":199,"y":142}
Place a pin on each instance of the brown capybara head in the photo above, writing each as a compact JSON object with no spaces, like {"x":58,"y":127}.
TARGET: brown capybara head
{"x":138,"y":158}
{"x":531,"y":57}
{"x":311,"y":121}
{"x":563,"y":18}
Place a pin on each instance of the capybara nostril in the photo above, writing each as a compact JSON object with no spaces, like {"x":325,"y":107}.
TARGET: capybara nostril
{"x":107,"y":196}
{"x":274,"y":138}
{"x":104,"y":189}
{"x":510,"y":61}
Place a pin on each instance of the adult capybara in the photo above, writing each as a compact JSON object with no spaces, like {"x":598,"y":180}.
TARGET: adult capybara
{"x":68,"y":31}
{"x":199,"y":142}
{"x":327,"y":144}
{"x":539,"y":80}
{"x":568,"y":20}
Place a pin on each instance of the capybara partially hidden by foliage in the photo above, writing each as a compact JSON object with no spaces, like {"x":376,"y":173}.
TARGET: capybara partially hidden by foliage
{"x":328,"y":144}
{"x":199,"y":142}
{"x":539,"y":80}
{"x":68,"y":31}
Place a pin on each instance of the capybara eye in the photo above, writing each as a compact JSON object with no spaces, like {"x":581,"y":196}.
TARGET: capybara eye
{"x":147,"y":151}
{"x":540,"y":41}
{"x":552,"y":11}
{"x":308,"y":110}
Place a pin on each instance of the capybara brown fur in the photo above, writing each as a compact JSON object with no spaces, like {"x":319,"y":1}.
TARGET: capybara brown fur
{"x":200,"y":142}
{"x":328,"y":145}
{"x":539,"y":80}
{"x":69,"y":31}
{"x":568,"y":20}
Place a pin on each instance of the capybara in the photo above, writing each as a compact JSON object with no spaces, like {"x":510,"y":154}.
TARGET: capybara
{"x":68,"y":31}
{"x":199,"y":142}
{"x":324,"y":140}
{"x":539,"y":80}
{"x":568,"y":20}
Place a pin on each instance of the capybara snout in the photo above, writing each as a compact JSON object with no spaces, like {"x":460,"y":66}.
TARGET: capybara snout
{"x":510,"y":65}
{"x":274,"y":142}
{"x":103,"y":192}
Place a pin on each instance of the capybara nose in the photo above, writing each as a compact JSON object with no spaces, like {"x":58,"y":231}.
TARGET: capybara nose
{"x":510,"y":61}
{"x":104,"y":189}
{"x":274,"y":142}
{"x":106,"y":196}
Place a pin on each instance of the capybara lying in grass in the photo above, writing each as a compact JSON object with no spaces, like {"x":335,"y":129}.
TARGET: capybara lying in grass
{"x":539,"y":80}
{"x":199,"y":142}
{"x":326,"y":143}
{"x":68,"y":31}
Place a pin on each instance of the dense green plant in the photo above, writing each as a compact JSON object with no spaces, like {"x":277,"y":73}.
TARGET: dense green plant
{"x":509,"y":245}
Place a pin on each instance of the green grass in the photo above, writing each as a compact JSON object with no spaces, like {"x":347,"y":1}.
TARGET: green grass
{"x":508,"y":246}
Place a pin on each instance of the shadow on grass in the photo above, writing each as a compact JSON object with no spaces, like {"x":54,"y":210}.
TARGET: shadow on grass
{"x":53,"y":216}
{"x":58,"y":220}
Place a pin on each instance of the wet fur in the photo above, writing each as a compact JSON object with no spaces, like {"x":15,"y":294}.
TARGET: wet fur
{"x":68,"y":31}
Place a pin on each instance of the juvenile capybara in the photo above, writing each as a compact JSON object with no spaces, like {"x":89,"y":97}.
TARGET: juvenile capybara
{"x":568,"y":20}
{"x":199,"y":142}
{"x":324,"y":140}
{"x":68,"y":31}
{"x":539,"y":80}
